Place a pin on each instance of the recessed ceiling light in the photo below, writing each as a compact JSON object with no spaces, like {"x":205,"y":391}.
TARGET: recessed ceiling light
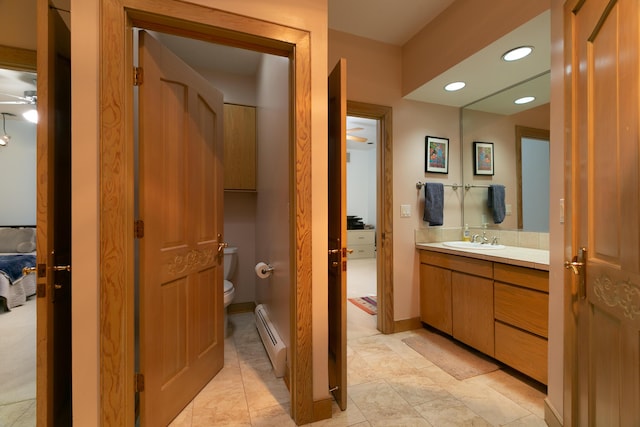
{"x":517,"y":53}
{"x":524,"y":100}
{"x":452,"y":87}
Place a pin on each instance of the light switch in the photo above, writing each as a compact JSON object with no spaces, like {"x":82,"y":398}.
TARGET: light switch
{"x":561,"y":211}
{"x":507,"y":208}
{"x":405,"y":211}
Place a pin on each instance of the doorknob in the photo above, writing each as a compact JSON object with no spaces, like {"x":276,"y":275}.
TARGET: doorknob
{"x":221,"y":246}
{"x":573,"y":265}
{"x":577,"y":265}
{"x":61,"y":268}
{"x":28,"y":270}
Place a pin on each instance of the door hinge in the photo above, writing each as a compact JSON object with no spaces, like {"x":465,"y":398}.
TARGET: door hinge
{"x":139,"y":383}
{"x":137,"y":76}
{"x":138,"y":229}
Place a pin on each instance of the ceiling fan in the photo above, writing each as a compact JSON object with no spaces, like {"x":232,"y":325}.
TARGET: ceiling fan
{"x":354,"y":137}
{"x":30,"y":97}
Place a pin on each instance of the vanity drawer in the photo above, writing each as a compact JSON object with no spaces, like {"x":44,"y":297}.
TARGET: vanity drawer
{"x":521,"y":350}
{"x":522,"y":276}
{"x":473,"y":266}
{"x":521,"y":307}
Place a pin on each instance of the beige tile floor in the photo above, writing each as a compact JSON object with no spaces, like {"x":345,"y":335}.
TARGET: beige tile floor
{"x":389,"y":385}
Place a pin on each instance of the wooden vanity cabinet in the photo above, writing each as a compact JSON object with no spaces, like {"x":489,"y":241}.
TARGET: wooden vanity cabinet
{"x":456,"y":297}
{"x":435,"y":297}
{"x":521,"y":319}
{"x":500,"y":309}
{"x":239,"y":147}
{"x":472,"y":310}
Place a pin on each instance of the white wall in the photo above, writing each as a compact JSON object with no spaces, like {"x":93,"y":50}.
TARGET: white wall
{"x":18,"y":174}
{"x":361,"y":185}
{"x":273,"y":226}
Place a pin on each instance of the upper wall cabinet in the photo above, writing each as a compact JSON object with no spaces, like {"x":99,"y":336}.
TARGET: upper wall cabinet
{"x":239,"y":147}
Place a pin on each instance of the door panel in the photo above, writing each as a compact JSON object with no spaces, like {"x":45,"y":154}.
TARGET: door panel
{"x":181,"y":308}
{"x":337,"y":207}
{"x":53,"y":388}
{"x":604,"y":138}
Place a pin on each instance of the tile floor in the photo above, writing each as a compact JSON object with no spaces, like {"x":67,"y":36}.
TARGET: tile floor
{"x":389,"y":385}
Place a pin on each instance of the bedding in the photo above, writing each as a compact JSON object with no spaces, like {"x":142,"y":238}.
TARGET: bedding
{"x":17,"y":246}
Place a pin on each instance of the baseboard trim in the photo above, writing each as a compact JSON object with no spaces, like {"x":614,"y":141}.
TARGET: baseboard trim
{"x":322,"y":409}
{"x":407,"y":325}
{"x":551,"y":416}
{"x":241,"y":307}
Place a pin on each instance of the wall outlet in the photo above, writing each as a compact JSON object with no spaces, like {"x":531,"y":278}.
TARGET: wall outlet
{"x":405,"y":211}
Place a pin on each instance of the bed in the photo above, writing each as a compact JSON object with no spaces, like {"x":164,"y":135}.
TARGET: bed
{"x":17,"y":250}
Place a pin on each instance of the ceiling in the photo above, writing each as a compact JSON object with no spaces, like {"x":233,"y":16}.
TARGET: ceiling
{"x":13,"y":85}
{"x":484,"y":72}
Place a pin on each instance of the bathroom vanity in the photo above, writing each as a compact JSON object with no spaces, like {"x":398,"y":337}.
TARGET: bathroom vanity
{"x":496,"y":301}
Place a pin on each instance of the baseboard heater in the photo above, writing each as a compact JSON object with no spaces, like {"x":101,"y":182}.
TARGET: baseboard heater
{"x":272,"y":342}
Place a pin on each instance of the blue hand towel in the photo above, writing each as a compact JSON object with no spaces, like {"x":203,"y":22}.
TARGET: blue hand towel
{"x":433,"y":203}
{"x":495,"y":202}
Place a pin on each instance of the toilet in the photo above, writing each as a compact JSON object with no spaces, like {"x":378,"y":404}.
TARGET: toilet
{"x":230,"y":261}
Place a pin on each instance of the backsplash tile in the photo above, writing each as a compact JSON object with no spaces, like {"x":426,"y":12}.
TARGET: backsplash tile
{"x":522,"y":239}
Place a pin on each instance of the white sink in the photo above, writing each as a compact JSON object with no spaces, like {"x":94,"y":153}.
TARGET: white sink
{"x":472,"y":245}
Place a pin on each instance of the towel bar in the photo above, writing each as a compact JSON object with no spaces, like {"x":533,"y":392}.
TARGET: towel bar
{"x":420,"y":184}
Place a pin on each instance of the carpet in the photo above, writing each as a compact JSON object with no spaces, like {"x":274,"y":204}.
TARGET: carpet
{"x":368,"y":304}
{"x":457,"y":359}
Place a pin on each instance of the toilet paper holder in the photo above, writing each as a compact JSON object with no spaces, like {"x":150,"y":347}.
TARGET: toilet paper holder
{"x":263,"y":270}
{"x":268,"y":268}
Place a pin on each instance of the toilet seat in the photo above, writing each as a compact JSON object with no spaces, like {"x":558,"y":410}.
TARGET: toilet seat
{"x":228,"y":286}
{"x":229,"y":291}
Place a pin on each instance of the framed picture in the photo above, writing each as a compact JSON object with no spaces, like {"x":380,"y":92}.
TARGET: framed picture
{"x":483,"y":158}
{"x":436,"y":154}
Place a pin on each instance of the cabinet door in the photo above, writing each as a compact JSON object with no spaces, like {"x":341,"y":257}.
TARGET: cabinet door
{"x":239,"y":147}
{"x":473,"y":311}
{"x":435,"y":297}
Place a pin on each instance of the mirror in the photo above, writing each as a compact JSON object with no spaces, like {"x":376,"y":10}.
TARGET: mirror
{"x":518,"y":138}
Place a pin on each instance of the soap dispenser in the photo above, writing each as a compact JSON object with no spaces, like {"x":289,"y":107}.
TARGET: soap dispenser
{"x":466,"y":235}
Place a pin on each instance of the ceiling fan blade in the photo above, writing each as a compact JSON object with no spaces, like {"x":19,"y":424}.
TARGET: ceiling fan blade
{"x":354,"y":129}
{"x":356,"y":138}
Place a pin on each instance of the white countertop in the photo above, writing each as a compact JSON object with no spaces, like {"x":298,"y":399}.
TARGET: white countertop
{"x":523,"y":257}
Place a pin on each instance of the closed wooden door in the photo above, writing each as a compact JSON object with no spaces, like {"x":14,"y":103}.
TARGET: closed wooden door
{"x":180,"y":203}
{"x":603,"y":307}
{"x":337,"y":214}
{"x":53,"y":330}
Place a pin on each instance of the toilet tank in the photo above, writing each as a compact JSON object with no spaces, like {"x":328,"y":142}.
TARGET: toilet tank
{"x":230,"y":259}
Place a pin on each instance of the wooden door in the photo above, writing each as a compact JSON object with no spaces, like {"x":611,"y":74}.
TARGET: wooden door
{"x":53,"y":330}
{"x":337,"y":207}
{"x":181,"y":252}
{"x":603,"y":188}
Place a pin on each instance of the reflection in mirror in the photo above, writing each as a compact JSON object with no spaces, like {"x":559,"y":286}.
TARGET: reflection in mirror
{"x":495,"y":119}
{"x":532,"y":176}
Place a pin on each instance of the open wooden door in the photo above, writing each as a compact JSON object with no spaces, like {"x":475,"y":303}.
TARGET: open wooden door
{"x":337,"y":207}
{"x":181,"y":249}
{"x":603,"y":236}
{"x":53,"y":383}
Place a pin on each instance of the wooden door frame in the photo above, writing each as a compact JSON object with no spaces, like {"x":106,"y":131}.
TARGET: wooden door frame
{"x":570,"y":365}
{"x":117,"y":172}
{"x":384,"y":209}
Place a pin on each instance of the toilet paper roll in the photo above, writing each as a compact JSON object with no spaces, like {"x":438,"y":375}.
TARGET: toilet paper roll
{"x":263,"y":270}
